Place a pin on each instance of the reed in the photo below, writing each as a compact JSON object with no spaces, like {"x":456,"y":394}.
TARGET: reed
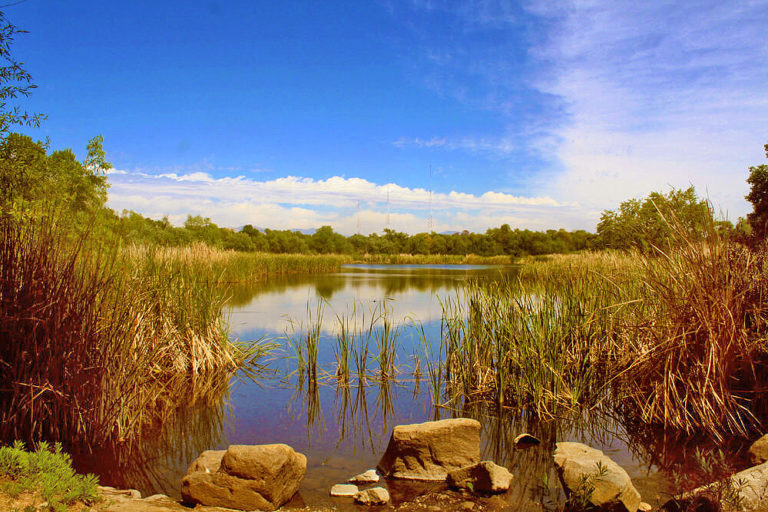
{"x":227,"y":267}
{"x":386,"y":335}
{"x":93,"y":338}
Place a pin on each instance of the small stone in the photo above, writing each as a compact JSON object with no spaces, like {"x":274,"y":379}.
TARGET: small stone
{"x":467,"y":505}
{"x":134,"y":494}
{"x":156,"y":497}
{"x":644,"y":507}
{"x":525,"y":440}
{"x":369,"y":477}
{"x":373,"y":496}
{"x":344,"y":490}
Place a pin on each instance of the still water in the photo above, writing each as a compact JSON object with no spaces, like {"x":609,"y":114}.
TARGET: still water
{"x":343,"y":430}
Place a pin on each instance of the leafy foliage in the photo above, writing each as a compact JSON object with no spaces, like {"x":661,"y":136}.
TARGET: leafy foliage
{"x":647,"y":223}
{"x":47,"y":471}
{"x":15,"y":81}
{"x":758,"y":196}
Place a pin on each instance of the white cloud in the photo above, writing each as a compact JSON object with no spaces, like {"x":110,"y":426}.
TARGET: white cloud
{"x":658,"y":94}
{"x":296,"y":203}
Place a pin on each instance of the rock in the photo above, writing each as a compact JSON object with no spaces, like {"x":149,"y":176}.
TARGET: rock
{"x":428,"y":451}
{"x":758,"y":452}
{"x":644,"y":507}
{"x":208,"y":462}
{"x":525,"y":440}
{"x":587,"y":471}
{"x":484,"y":476}
{"x":261,"y":477}
{"x":746,"y":490}
{"x":467,"y":505}
{"x":344,"y":490}
{"x":369,"y":477}
{"x":373,"y":496}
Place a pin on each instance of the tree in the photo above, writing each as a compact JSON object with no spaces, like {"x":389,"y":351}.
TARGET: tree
{"x":15,"y":81}
{"x":652,"y":222}
{"x":758,"y":196}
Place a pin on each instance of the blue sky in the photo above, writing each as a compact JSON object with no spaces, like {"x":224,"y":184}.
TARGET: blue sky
{"x":538,"y":114}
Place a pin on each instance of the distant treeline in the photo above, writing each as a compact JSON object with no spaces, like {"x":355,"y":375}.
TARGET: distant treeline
{"x":32,"y":179}
{"x":497,"y":241}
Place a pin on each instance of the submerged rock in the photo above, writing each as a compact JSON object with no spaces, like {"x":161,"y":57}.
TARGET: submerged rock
{"x":746,"y":490}
{"x":593,"y":475}
{"x":261,"y":477}
{"x":369,"y":477}
{"x":344,"y":491}
{"x":428,"y":451}
{"x":484,"y":476}
{"x":373,"y":496}
{"x":758,"y":452}
{"x":525,"y":440}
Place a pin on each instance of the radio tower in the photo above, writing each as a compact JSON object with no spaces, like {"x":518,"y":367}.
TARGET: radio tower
{"x":358,"y":217}
{"x":388,"y":210}
{"x":429,"y":223}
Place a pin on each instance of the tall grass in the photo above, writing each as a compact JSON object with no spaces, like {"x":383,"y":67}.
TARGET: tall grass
{"x":216,"y":265}
{"x":700,"y":344}
{"x":676,"y":338}
{"x":91,"y":339}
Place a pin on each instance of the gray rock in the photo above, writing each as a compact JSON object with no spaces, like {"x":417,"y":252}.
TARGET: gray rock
{"x":484,"y":476}
{"x":344,"y":491}
{"x":261,"y":477}
{"x":373,"y":496}
{"x":758,"y":452}
{"x":746,"y":490}
{"x":369,"y":477}
{"x":589,"y":472}
{"x":428,"y":451}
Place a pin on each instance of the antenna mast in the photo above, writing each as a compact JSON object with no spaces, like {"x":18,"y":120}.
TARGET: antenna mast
{"x":358,"y":216}
{"x":388,"y":209}
{"x":430,"y":225}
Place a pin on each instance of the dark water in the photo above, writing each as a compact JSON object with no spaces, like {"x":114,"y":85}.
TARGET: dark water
{"x":343,"y":430}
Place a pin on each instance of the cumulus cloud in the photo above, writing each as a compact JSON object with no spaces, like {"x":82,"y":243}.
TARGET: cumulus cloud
{"x":347,"y":204}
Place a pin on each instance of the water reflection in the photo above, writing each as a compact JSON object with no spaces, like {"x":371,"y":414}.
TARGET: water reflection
{"x":343,"y":425}
{"x":176,"y":435}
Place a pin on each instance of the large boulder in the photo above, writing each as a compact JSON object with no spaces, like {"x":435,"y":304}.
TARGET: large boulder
{"x":746,"y":490}
{"x":428,"y":451}
{"x":484,"y":476}
{"x":261,"y":477}
{"x":758,"y":452}
{"x":593,"y":476}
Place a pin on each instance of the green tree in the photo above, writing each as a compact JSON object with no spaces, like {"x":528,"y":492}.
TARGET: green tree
{"x":15,"y":82}
{"x":653,"y":221}
{"x":758,"y":196}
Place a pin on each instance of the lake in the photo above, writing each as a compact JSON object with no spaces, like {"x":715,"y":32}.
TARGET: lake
{"x":343,"y":429}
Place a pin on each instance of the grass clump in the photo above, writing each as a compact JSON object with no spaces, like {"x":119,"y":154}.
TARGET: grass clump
{"x":47,"y":474}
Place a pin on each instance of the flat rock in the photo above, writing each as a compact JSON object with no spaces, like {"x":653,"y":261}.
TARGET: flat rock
{"x":373,"y":496}
{"x":579,"y":467}
{"x":344,"y":491}
{"x":758,"y":452}
{"x":369,"y":477}
{"x":484,"y":476}
{"x":428,"y":451}
{"x":260,"y":477}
